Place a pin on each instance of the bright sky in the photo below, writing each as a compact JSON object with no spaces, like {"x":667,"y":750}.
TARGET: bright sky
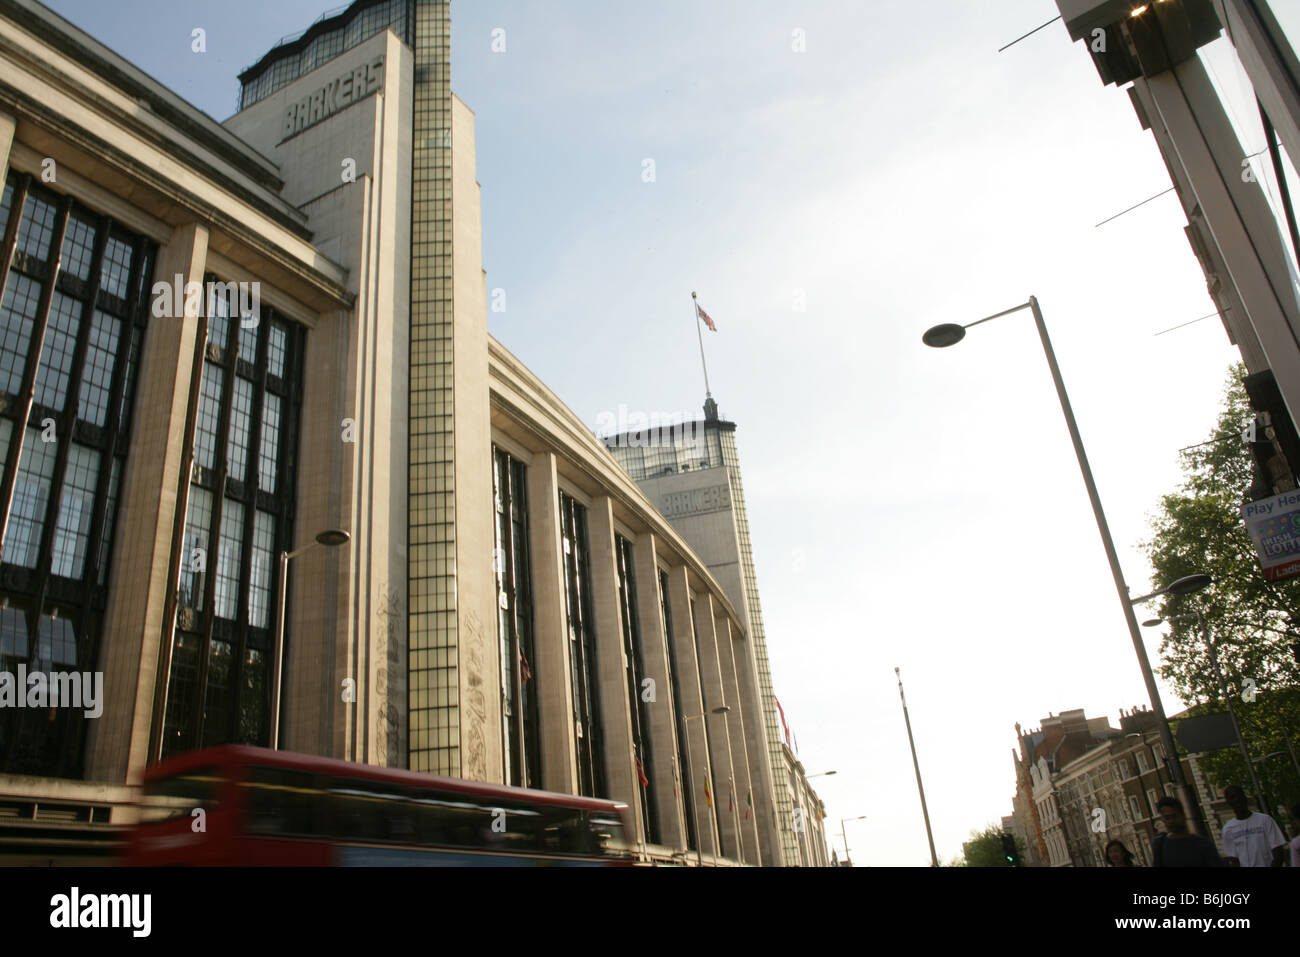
{"x":909,"y":507}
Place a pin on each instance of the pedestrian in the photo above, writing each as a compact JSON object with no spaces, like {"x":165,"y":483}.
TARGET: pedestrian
{"x":1251,"y":838}
{"x":1117,"y":855}
{"x":1178,"y":847}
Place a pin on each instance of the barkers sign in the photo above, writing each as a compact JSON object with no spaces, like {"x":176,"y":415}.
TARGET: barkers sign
{"x":1274,"y":527}
{"x":338,"y":94}
{"x":711,"y":499}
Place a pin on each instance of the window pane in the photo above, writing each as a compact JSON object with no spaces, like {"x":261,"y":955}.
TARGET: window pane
{"x":37,"y":227}
{"x":218,"y":315}
{"x":247,"y":334}
{"x":270,"y":451}
{"x":31,"y":496}
{"x":56,"y":642}
{"x":241,"y":409}
{"x":78,"y":246}
{"x":259,"y":595}
{"x":275,"y":350}
{"x":205,"y":435}
{"x":226,"y":602}
{"x":6,"y":433}
{"x":252,"y":698}
{"x":13,"y":637}
{"x":194,"y":556}
{"x":97,"y":374}
{"x":115,"y":275}
{"x":72,"y":533}
{"x":132,"y":363}
{"x":56,"y":353}
{"x":216,"y":702}
{"x":178,"y":727}
{"x":17,"y":314}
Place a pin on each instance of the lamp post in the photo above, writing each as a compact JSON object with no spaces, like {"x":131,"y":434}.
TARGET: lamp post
{"x":845,"y":838}
{"x":330,"y":538}
{"x":949,"y":334}
{"x":690,"y":769}
{"x":1223,"y":693}
{"x":934,"y":858}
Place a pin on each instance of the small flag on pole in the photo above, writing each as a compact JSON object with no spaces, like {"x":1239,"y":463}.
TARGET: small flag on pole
{"x":640,"y":772}
{"x":705,"y":316}
{"x":749,"y":802}
{"x":525,"y":673}
{"x":708,"y":795}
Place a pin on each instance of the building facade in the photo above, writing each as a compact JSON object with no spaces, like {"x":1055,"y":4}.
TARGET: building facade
{"x":691,"y":470}
{"x":221,"y":340}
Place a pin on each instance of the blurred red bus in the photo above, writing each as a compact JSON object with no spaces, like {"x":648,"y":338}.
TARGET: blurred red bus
{"x":263,"y":807}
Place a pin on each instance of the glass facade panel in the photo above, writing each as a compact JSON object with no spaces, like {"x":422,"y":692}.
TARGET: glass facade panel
{"x":241,"y":409}
{"x":634,"y":673}
{"x":259,"y":594}
{"x":60,"y":446}
{"x":205,"y":435}
{"x":226,"y":602}
{"x":582,"y":640}
{"x":196,"y":549}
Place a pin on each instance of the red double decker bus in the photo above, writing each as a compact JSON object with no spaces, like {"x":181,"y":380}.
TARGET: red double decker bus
{"x":245,"y":806}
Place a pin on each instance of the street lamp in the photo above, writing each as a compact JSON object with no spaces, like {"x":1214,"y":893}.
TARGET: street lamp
{"x":330,"y":538}
{"x":934,"y":858}
{"x":822,"y":774}
{"x":690,"y":769}
{"x":845,"y":838}
{"x":950,"y":334}
{"x":1223,"y":692}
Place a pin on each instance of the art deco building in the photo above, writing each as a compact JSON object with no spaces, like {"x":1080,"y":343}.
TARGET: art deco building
{"x":219,"y":340}
{"x":691,"y":470}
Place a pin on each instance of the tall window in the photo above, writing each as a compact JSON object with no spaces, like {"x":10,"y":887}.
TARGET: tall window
{"x":515,"y":624}
{"x":582,"y":657}
{"x":683,"y":787}
{"x":238,"y":518}
{"x":634,"y":670}
{"x":72,"y":318}
{"x":708,"y":737}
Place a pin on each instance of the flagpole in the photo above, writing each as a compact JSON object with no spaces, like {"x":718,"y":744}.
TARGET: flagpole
{"x":700,"y":336}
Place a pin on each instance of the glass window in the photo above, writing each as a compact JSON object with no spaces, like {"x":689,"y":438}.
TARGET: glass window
{"x":78,"y":246}
{"x":37,"y":228}
{"x":13,"y":637}
{"x":241,"y":410}
{"x":218,"y":314}
{"x":195,"y":552}
{"x":275,"y":350}
{"x":115,"y":275}
{"x":270,"y":446}
{"x":56,"y":643}
{"x":76,"y":507}
{"x":17,"y":315}
{"x":259,"y":592}
{"x":97,"y":376}
{"x":31,"y":497}
{"x":56,"y":355}
{"x":178,"y":729}
{"x":226,"y":600}
{"x":216,"y":702}
{"x":252,"y":699}
{"x":205,"y":434}
{"x":110,"y":520}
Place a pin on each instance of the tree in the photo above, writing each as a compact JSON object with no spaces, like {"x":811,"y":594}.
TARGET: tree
{"x":984,"y":849}
{"x":1253,"y":621}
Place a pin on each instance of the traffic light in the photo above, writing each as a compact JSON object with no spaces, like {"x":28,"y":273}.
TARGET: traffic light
{"x":1009,"y":850}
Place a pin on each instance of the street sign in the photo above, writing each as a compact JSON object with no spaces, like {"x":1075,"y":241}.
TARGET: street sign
{"x":1274,"y":527}
{"x":1207,"y":732}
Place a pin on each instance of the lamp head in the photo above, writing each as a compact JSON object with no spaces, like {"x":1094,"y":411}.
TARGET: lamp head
{"x":332,"y":537}
{"x":1152,"y":622}
{"x":946,"y":334}
{"x":1189,"y":583}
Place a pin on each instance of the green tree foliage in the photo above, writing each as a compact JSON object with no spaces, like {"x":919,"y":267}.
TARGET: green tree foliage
{"x":984,"y":849}
{"x":1254,"y":621}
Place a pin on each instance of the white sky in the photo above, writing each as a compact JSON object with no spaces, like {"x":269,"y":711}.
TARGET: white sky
{"x":909,"y":507}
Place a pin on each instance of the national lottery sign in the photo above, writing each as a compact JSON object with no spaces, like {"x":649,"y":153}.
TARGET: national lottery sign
{"x":1274,"y":527}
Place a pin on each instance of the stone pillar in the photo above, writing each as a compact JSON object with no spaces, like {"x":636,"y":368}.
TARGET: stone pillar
{"x":8,"y":126}
{"x":132,"y":655}
{"x":551,"y":628}
{"x":615,"y":708}
{"x":688,"y":677}
{"x":664,"y":783}
{"x":715,"y":695}
{"x":736,"y":732}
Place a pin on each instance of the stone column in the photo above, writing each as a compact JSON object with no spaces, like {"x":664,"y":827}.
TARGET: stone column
{"x":736,"y":732}
{"x":715,"y":695}
{"x":615,"y":708}
{"x":132,"y":654}
{"x":551,"y":628}
{"x":664,"y":783}
{"x":688,"y":678}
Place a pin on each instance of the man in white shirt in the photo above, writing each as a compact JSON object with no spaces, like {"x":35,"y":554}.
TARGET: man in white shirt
{"x":1251,"y":839}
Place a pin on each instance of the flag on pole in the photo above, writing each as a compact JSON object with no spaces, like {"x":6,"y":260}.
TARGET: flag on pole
{"x":731,"y":799}
{"x":705,"y":316}
{"x":783,"y":724}
{"x":708,"y":795}
{"x":525,"y":673}
{"x":749,"y":802}
{"x":640,"y":772}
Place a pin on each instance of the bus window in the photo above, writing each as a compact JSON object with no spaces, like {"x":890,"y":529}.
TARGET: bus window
{"x":280,"y":801}
{"x":180,"y":794}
